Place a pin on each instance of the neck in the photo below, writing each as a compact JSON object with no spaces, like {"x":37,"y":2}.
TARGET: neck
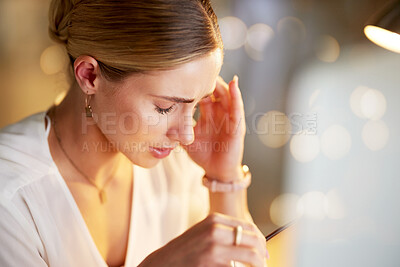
{"x":84,"y":142}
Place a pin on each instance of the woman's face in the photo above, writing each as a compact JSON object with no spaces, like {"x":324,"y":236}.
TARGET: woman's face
{"x":147,"y":115}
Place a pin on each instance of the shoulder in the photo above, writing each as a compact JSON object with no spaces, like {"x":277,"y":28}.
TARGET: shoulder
{"x":23,"y":157}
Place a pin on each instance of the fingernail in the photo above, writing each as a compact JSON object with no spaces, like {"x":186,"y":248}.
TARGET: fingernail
{"x":236,"y":79}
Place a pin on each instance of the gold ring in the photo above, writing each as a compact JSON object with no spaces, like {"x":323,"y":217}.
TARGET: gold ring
{"x":238,"y":230}
{"x":215,"y":99}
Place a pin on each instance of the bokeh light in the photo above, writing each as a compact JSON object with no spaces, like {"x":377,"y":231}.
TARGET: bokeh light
{"x":60,"y":97}
{"x":233,"y":32}
{"x":53,"y":59}
{"x":335,"y":142}
{"x":334,"y":206}
{"x":383,"y":38}
{"x":274,"y":129}
{"x":313,"y":205}
{"x":292,"y":28}
{"x":258,"y":37}
{"x":304,"y":146}
{"x":284,"y":209}
{"x":327,"y":49}
{"x":373,"y":104}
{"x":375,"y":135}
{"x":355,"y":100}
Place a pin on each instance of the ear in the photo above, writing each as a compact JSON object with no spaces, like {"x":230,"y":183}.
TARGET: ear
{"x":87,"y":74}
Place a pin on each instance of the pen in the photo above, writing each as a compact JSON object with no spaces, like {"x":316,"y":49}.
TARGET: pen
{"x":280,"y":229}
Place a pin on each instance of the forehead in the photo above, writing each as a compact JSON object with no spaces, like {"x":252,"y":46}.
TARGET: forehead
{"x":191,"y":80}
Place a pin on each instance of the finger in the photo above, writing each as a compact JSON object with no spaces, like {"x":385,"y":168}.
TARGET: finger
{"x":216,"y":217}
{"x":222,"y":92}
{"x":241,"y":254}
{"x":226,"y":235}
{"x":237,"y":107}
{"x":206,"y":108}
{"x":249,"y":239}
{"x":263,"y":241}
{"x":233,"y":222}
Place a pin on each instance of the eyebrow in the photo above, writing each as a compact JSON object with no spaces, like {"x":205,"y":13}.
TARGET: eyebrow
{"x":179,"y":99}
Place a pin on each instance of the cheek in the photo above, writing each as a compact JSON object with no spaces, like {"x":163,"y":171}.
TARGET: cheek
{"x":143,"y":125}
{"x":153,"y":125}
{"x":129,"y":123}
{"x":132,"y":117}
{"x":135,"y":121}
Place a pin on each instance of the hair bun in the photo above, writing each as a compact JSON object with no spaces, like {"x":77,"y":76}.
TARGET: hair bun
{"x":59,"y":19}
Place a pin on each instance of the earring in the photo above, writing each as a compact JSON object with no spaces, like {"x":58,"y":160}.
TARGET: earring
{"x":88,"y":108}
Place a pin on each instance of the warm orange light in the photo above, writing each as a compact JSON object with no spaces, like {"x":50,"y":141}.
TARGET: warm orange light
{"x":281,"y":248}
{"x":384,"y":38}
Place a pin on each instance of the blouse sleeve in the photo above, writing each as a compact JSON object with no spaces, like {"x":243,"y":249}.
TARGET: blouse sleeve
{"x":18,"y":243}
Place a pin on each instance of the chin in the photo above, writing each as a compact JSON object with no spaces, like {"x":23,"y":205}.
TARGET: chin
{"x":145,"y":161}
{"x":149,"y":164}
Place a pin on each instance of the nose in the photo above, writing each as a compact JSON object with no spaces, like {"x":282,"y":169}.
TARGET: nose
{"x":182,"y":131}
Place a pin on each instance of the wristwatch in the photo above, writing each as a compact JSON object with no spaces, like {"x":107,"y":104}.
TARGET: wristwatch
{"x":215,"y":186}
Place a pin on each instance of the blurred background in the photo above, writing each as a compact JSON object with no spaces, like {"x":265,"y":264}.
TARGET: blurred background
{"x":321,"y":105}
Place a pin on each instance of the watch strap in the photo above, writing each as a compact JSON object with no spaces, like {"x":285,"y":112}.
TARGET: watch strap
{"x":216,"y":186}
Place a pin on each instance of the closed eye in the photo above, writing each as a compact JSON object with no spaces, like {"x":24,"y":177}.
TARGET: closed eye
{"x":164,"y":111}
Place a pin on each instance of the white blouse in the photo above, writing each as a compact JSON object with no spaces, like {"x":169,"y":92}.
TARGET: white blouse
{"x":40,"y":222}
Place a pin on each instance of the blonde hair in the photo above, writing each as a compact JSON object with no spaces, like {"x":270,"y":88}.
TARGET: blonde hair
{"x":127,"y":36}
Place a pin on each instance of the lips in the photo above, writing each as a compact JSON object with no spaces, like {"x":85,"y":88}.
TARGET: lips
{"x":160,"y":152}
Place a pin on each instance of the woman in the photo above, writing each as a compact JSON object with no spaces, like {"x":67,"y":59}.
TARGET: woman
{"x":112,"y":176}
